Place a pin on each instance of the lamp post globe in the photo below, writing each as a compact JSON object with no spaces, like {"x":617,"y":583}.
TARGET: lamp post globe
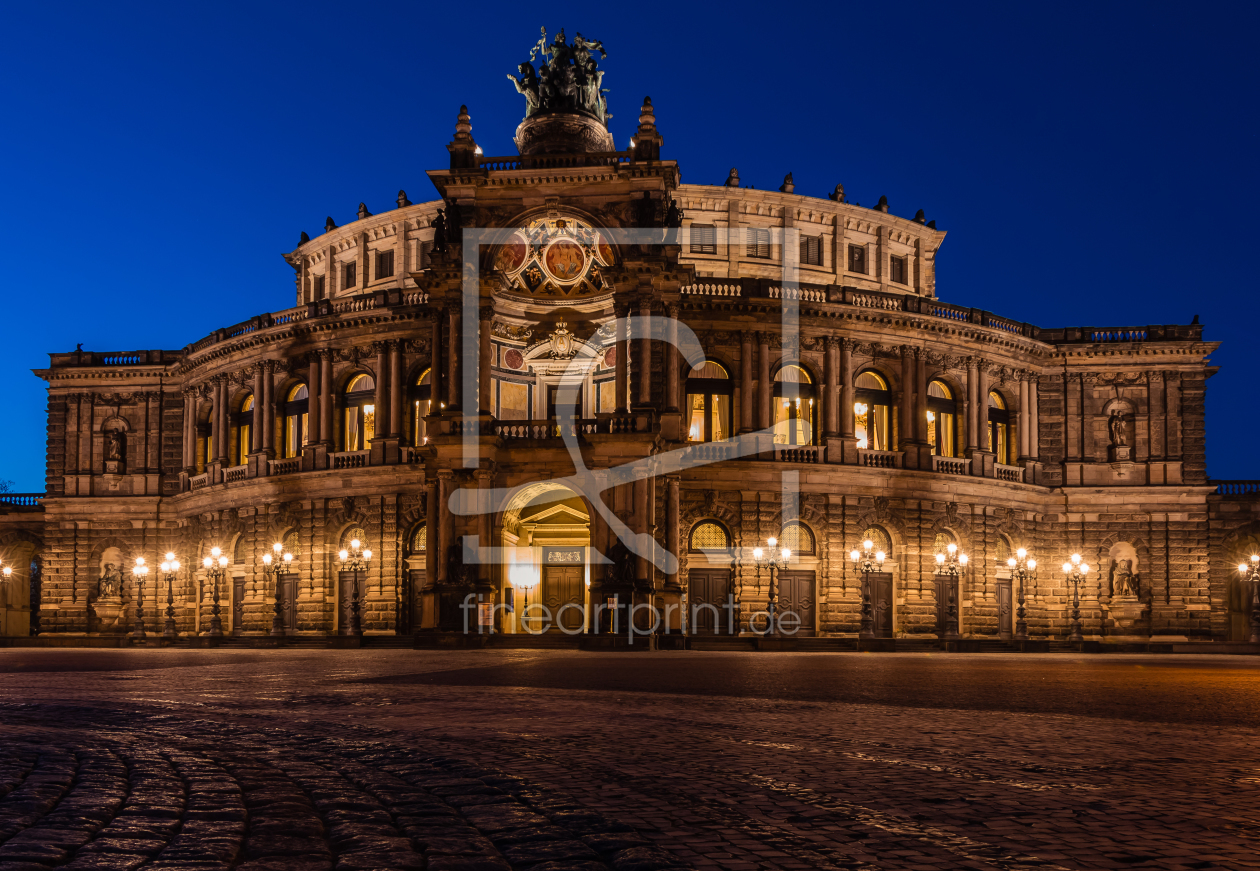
{"x":771,"y":561}
{"x":355,"y":560}
{"x":277,"y":562}
{"x":1022,"y":567}
{"x":1250,"y":572}
{"x":953,"y":565}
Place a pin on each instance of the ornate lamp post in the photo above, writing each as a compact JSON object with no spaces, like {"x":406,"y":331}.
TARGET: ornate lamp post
{"x":1251,"y":575}
{"x":216,"y":570}
{"x":278,"y":565}
{"x":523,"y":580}
{"x":354,"y":561}
{"x":862,"y":563}
{"x":1022,"y":568}
{"x":953,"y":568}
{"x":1075,"y":571}
{"x":170,"y":567}
{"x":139,"y":571}
{"x":762,"y":560}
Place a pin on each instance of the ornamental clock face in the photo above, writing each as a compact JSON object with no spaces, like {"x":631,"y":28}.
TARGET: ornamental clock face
{"x":556,"y":257}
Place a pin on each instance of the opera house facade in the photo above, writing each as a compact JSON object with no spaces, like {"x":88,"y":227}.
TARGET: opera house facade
{"x":571,"y":380}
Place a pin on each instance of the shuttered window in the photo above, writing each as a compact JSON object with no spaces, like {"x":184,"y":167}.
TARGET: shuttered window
{"x":319,"y":287}
{"x":384,"y":264}
{"x":811,"y":250}
{"x":703,"y":239}
{"x":857,"y":259}
{"x":897,"y":270}
{"x":758,"y":242}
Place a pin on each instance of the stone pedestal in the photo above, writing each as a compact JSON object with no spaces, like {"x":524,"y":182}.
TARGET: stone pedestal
{"x":1128,"y":617}
{"x":1120,"y":453}
{"x":108,"y":610}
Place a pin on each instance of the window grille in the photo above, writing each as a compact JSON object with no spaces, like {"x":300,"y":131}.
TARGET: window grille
{"x":420,"y":541}
{"x":351,"y":534}
{"x":880,"y":539}
{"x":384,"y":264}
{"x":811,"y":250}
{"x":709,"y":536}
{"x":758,"y":242}
{"x":703,"y":239}
{"x":291,"y":544}
{"x":942,"y":542}
{"x":797,"y":537}
{"x":857,"y":259}
{"x":238,"y":551}
{"x":1003,"y":550}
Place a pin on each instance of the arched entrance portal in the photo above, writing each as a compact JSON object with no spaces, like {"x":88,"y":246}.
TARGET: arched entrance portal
{"x":547,"y":555}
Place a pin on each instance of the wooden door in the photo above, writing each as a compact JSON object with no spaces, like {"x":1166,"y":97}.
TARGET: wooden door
{"x":238,"y":605}
{"x":882,"y":604}
{"x":288,"y":608}
{"x":796,"y":596}
{"x":709,"y":609}
{"x":344,"y":597}
{"x":943,"y":584}
{"x":564,"y":586}
{"x":1005,"y":610}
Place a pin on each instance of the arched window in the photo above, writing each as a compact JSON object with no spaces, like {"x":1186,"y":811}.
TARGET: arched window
{"x":243,"y":424}
{"x":709,"y":394}
{"x":295,"y":414}
{"x":419,"y":542}
{"x":291,"y":543}
{"x":420,"y":394}
{"x":793,"y":406}
{"x":870,"y":412}
{"x":942,"y":420}
{"x":1003,"y":551}
{"x":879,"y":539}
{"x":239,"y":555}
{"x":797,"y":537}
{"x":351,"y":534}
{"x":708,"y":536}
{"x":360,"y":413}
{"x":942,"y":542}
{"x":1000,"y":441}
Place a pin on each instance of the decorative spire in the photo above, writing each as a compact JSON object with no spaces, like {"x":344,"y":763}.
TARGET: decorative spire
{"x":303,"y":239}
{"x":363,"y":212}
{"x":732,"y":180}
{"x":463,"y":149}
{"x":402,"y":201}
{"x":647,"y":141}
{"x":788,"y":185}
{"x":329,"y":225}
{"x":882,"y":205}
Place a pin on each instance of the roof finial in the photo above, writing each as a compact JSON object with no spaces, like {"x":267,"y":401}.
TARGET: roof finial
{"x":919,"y":217}
{"x":363,"y":212}
{"x":788,"y":185}
{"x":329,"y":225}
{"x":732,"y":180}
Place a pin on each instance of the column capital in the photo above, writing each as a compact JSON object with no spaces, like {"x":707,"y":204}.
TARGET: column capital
{"x":832,"y":342}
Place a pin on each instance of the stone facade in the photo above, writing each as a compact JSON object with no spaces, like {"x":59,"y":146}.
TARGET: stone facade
{"x":1099,"y":448}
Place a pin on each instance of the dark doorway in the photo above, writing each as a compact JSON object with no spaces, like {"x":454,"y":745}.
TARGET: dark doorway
{"x":1004,"y":610}
{"x":943,"y":584}
{"x":796,"y":596}
{"x":288,"y":608}
{"x":708,"y":597}
{"x":238,"y":605}
{"x":344,"y":598}
{"x":882,"y":604}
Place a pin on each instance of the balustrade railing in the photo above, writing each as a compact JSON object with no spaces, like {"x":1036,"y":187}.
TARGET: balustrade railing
{"x":712,"y":290}
{"x":350,"y":459}
{"x":287,"y":466}
{"x":951,"y":465}
{"x":1237,"y":488}
{"x":804,"y":294}
{"x":880,"y":459}
{"x":1014,"y":474}
{"x":197,"y":482}
{"x":554,"y":161}
{"x":22,"y":500}
{"x":235,"y":473}
{"x":799,"y":454}
{"x":708,"y":452}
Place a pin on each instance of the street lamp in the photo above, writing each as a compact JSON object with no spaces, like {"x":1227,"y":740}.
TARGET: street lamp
{"x":140,"y":571}
{"x":279,"y":565}
{"x":354,"y":561}
{"x":216,"y":570}
{"x":1022,"y":568}
{"x":762,"y":560}
{"x":1251,"y":575}
{"x":953,"y":569}
{"x":1075,"y":570}
{"x":524,"y":580}
{"x":862,"y":562}
{"x":170,"y":566}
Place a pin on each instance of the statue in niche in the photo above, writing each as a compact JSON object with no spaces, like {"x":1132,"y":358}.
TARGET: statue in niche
{"x":1115,"y":427}
{"x":1124,"y":582}
{"x":113,"y":445}
{"x":111,"y":581}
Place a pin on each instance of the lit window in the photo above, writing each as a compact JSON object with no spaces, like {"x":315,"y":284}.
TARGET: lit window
{"x":360,"y":413}
{"x":942,"y":420}
{"x":870,"y":412}
{"x":295,"y":420}
{"x":243,"y":423}
{"x":419,"y":395}
{"x":793,"y":406}
{"x":709,"y":392}
{"x":857,"y":259}
{"x":708,"y":535}
{"x":999,"y":439}
{"x":797,"y":538}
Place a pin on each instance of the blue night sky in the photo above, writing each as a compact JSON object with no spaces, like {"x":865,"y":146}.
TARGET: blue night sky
{"x":1094,"y":164}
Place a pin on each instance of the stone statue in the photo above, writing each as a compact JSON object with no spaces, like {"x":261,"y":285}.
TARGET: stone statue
{"x":673,"y":215}
{"x":1125,"y":582}
{"x":113,"y":445}
{"x":837,"y":194}
{"x":439,"y":232}
{"x":1115,"y":427}
{"x":568,"y":78}
{"x":111,"y":581}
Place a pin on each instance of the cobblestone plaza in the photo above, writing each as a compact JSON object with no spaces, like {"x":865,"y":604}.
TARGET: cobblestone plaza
{"x":549,"y":760}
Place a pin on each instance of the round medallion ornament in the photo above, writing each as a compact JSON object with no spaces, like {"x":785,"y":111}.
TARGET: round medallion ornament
{"x":604,"y":252}
{"x":565,"y":261}
{"x":513,"y":359}
{"x":512,"y":255}
{"x":610,"y":357}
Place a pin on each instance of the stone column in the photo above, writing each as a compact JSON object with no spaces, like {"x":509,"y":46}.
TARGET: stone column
{"x":920,"y":394}
{"x":397,"y":390}
{"x":435,"y":365}
{"x":982,"y":406}
{"x":431,"y":530}
{"x":1025,"y":447}
{"x":645,"y":352}
{"x":973,"y":384}
{"x":484,"y":482}
{"x":485,"y":387}
{"x":672,"y":375}
{"x":256,"y":429}
{"x":326,"y":400}
{"x":445,"y":521}
{"x":220,"y":421}
{"x":1034,"y":432}
{"x":745,"y":383}
{"x":452,"y":385}
{"x":671,"y":522}
{"x":908,"y":429}
{"x":623,"y":360}
{"x":381,"y":428}
{"x":314,"y":419}
{"x":848,"y":394}
{"x":831,"y":390}
{"x":190,"y":433}
{"x":764,"y":416}
{"x":269,"y":408}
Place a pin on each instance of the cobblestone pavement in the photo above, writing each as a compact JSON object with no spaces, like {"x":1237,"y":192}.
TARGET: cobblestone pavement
{"x":548,"y":760}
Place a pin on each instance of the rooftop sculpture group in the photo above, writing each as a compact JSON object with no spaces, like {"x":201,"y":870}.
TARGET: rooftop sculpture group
{"x":567,"y":79}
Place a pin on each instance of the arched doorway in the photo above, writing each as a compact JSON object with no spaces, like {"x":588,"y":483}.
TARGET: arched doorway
{"x":546,"y":534}
{"x":19,"y":591}
{"x":710,"y":592}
